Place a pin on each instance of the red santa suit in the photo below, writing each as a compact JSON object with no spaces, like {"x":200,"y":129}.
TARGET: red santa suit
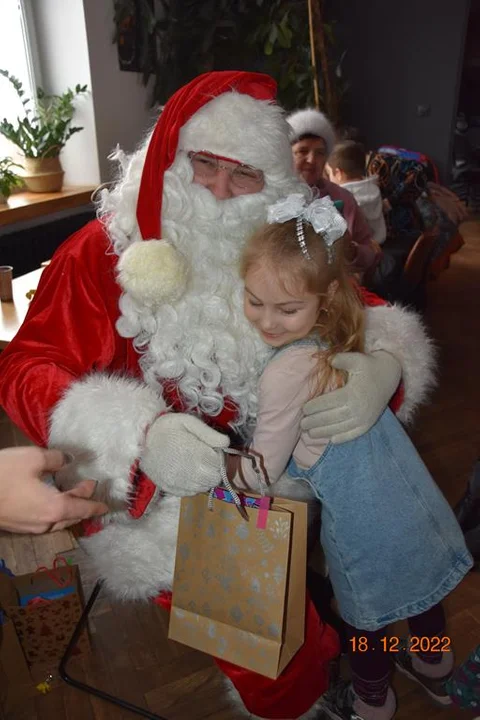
{"x":96,"y":362}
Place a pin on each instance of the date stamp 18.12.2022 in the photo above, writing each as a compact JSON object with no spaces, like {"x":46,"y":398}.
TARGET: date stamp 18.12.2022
{"x":394,"y":644}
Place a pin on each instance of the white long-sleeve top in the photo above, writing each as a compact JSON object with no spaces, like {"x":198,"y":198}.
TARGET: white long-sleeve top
{"x":286,"y":384}
{"x":367,"y":194}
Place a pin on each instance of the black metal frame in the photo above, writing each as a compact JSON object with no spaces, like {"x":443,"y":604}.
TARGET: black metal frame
{"x":89,"y":688}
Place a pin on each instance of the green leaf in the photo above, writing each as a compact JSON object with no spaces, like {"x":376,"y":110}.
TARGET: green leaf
{"x":284,"y":37}
{"x":45,"y":133}
{"x":284,"y":21}
{"x":273,"y":35}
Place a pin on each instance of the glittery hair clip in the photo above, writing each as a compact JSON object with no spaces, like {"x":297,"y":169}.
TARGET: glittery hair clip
{"x":321,"y":214}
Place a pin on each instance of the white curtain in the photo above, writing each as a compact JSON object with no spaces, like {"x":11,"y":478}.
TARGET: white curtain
{"x":16,"y":57}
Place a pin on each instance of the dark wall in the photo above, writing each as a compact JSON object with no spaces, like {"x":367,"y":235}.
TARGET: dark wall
{"x":27,"y":248}
{"x":469,"y":99}
{"x":402,"y":54}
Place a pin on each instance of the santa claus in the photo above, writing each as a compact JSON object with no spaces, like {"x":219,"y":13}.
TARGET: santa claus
{"x":136,"y":358}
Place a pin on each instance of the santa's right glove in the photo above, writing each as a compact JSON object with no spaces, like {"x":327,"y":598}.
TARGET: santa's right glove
{"x":180,"y":455}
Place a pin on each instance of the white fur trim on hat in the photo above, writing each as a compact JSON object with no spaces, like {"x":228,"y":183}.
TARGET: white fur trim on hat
{"x":152,"y":272}
{"x":311,"y":122}
{"x":237,"y":126}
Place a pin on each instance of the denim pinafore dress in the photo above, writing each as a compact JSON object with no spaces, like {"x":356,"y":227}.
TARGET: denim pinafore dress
{"x":392,"y":543}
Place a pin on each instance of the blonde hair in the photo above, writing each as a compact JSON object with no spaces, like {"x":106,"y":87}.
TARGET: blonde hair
{"x":340,"y":322}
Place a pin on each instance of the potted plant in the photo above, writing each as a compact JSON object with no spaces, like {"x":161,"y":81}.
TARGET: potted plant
{"x":42,"y":133}
{"x":8,"y":179}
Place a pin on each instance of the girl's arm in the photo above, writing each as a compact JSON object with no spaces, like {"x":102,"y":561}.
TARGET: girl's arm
{"x":285,"y":385}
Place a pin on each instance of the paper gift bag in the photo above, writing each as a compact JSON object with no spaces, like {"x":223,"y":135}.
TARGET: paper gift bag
{"x":239,"y":587}
{"x":49,"y":607}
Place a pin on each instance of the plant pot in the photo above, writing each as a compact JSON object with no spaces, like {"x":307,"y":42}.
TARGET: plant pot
{"x":43,"y":175}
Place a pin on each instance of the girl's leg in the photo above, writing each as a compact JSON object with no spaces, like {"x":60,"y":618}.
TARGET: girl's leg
{"x":370,"y":665}
{"x":430,"y":667}
{"x":372,"y":697}
{"x":433,"y":661}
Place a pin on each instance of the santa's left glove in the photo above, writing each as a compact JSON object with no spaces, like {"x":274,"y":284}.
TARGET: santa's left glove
{"x":180,"y":454}
{"x":351,"y":411}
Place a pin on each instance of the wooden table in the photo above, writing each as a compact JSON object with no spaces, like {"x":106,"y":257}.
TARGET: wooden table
{"x":28,"y":206}
{"x":12,"y":314}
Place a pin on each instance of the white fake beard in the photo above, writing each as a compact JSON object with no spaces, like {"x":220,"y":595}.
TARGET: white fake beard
{"x":203,"y":341}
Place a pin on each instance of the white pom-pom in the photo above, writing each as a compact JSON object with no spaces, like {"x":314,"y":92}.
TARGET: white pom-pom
{"x":153,"y":272}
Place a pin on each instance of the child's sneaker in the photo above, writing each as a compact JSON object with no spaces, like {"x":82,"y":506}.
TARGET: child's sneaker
{"x":337,"y":702}
{"x":341,"y":703}
{"x":435,"y":687}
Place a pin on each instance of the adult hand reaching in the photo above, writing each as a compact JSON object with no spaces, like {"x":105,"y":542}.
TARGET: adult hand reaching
{"x":28,"y":505}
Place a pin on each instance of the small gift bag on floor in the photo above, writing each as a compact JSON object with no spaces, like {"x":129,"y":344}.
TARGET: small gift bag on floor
{"x":239,"y":584}
{"x":50,"y":602}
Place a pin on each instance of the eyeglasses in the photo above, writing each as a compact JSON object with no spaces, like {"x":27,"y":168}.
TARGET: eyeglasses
{"x":245,"y":177}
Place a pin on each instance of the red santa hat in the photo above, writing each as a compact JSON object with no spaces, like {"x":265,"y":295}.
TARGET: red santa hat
{"x":157,"y":272}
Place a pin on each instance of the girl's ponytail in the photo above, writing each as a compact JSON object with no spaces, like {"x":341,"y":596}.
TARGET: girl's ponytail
{"x":341,"y":323}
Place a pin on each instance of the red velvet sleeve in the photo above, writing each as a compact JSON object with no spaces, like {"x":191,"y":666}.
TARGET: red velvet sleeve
{"x":69,"y":330}
{"x":370,"y":299}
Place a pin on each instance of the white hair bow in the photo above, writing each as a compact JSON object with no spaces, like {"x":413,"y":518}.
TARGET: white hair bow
{"x":321,"y":214}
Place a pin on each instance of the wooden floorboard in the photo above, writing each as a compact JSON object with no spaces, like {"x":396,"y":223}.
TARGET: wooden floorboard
{"x":131,"y":655}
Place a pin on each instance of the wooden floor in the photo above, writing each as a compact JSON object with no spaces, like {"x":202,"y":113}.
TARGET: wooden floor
{"x":131,"y":655}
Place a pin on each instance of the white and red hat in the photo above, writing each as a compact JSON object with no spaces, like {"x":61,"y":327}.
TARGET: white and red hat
{"x":311,"y":122}
{"x":228,"y":113}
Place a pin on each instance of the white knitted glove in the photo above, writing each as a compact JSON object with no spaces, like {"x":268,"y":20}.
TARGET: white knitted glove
{"x":349,"y":412}
{"x":179,"y":454}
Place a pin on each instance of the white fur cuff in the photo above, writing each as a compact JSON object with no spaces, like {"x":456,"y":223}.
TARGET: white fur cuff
{"x":401,"y":332}
{"x":101,"y":421}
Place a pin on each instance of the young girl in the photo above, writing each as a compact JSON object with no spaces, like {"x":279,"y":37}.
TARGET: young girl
{"x":392,"y":544}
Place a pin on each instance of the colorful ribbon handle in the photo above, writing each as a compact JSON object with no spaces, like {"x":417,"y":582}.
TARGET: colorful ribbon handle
{"x":241,"y":501}
{"x":58,"y":563}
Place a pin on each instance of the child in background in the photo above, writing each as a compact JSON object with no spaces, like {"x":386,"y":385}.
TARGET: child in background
{"x":346,"y":167}
{"x":392,"y":544}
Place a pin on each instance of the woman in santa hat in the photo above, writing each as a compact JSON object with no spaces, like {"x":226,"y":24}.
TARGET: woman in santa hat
{"x":312,"y":137}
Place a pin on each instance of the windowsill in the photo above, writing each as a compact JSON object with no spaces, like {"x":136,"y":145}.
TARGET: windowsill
{"x":28,"y":205}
